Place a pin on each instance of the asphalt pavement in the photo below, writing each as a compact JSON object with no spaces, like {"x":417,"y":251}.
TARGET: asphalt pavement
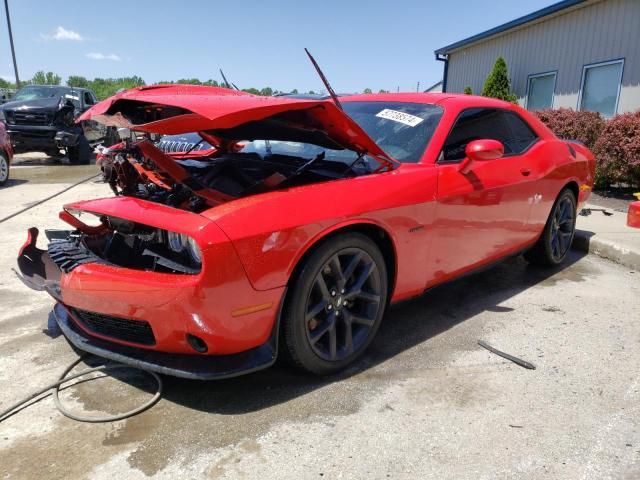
{"x":426,"y":401}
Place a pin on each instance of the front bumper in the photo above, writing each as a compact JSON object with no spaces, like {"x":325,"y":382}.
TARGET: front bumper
{"x":34,"y":137}
{"x":196,"y":367}
{"x":83,"y":287}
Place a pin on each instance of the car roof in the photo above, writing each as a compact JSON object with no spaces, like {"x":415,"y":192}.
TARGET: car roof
{"x":64,"y":87}
{"x":433,"y":98}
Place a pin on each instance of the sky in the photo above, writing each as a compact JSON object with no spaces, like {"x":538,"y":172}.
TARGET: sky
{"x":359,"y":44}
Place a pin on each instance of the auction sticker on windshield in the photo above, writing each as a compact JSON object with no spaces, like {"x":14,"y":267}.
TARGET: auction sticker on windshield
{"x":399,"y":117}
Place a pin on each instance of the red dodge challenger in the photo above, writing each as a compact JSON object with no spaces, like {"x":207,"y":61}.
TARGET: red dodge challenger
{"x":300,"y":225}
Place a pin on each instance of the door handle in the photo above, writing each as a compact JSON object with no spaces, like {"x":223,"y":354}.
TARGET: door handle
{"x":525,"y":171}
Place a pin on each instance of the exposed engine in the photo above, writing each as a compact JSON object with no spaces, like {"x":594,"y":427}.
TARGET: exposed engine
{"x":199,"y":181}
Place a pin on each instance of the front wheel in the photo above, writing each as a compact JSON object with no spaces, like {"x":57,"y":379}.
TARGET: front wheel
{"x":4,"y":169}
{"x":553,"y":245}
{"x":81,"y":153}
{"x":335,"y":305}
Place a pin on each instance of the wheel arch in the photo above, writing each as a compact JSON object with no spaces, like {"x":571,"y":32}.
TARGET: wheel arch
{"x":376,"y":232}
{"x":573,"y":186}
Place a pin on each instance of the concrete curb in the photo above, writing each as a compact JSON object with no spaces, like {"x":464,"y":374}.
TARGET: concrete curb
{"x":589,"y":242}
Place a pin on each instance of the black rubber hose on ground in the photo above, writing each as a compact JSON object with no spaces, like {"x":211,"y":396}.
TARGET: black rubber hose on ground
{"x":55,"y":389}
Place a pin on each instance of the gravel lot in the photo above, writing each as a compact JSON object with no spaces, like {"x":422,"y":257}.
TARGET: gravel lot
{"x":425,"y":402}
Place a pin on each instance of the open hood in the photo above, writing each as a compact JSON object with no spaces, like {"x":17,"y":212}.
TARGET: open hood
{"x":232,"y":115}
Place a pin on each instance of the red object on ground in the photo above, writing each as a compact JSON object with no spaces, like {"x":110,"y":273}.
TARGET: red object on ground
{"x":633,"y":215}
{"x":441,"y":217}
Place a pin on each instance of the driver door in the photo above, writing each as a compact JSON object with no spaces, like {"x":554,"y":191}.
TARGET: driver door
{"x":482,"y":215}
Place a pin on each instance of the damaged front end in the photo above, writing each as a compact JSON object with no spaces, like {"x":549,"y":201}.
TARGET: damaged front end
{"x":132,"y":291}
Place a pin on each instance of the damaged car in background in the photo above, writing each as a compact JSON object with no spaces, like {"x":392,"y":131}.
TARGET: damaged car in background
{"x":297,"y":226}
{"x":42,"y":118}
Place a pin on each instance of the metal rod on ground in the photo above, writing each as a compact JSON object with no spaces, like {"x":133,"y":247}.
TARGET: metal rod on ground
{"x":516,"y":360}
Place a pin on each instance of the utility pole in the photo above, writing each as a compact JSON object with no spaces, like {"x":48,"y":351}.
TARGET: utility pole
{"x":13,"y":50}
{"x":418,"y":87}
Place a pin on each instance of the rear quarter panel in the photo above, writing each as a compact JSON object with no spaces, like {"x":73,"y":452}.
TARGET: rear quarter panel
{"x":557,"y":167}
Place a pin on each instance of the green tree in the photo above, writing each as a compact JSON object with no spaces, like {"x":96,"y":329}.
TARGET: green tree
{"x":105,"y":87}
{"x":49,"y":78}
{"x":77,"y":81}
{"x":367,"y":90}
{"x":383,"y":91}
{"x":294,"y":91}
{"x":267,"y":92}
{"x":467,"y":90}
{"x":497,"y":84}
{"x":6,"y":84}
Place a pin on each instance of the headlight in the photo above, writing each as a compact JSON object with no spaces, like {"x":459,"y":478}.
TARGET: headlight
{"x":181,"y":243}
{"x":175,"y":241}
{"x":194,"y":250}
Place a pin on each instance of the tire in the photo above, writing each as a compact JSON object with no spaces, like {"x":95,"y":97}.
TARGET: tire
{"x":330,"y":318}
{"x":81,"y":153}
{"x":553,"y":245}
{"x":4,"y":169}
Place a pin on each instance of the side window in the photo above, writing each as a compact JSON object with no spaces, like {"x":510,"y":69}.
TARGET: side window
{"x":479,"y":123}
{"x":522,"y":136}
{"x":88,"y":98}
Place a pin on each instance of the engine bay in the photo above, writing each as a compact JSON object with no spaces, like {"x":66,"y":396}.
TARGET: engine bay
{"x":197,"y":181}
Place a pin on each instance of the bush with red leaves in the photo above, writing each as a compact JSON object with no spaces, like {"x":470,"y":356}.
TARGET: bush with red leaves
{"x":572,"y":125}
{"x":618,"y":151}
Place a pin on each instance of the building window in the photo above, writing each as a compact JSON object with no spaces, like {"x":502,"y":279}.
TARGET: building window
{"x":601,"y":87}
{"x":540,"y":91}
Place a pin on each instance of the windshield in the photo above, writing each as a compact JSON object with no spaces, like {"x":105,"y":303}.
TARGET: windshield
{"x":35,"y":93}
{"x":401,"y":129}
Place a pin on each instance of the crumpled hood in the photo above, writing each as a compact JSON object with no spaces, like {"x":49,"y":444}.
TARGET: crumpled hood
{"x":49,"y":104}
{"x":233,"y":115}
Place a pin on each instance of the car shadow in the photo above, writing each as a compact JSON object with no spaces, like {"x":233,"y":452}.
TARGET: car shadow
{"x":405,"y":326}
{"x":14,"y":182}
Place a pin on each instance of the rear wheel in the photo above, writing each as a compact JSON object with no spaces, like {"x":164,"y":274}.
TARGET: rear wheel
{"x":4,"y":169}
{"x":554,"y":243}
{"x":336,"y":304}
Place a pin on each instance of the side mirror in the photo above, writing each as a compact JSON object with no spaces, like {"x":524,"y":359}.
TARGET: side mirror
{"x":480,"y":151}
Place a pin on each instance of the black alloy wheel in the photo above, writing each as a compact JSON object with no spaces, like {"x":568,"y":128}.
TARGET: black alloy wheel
{"x":553,"y":245}
{"x":336,"y":304}
{"x":562,"y":227}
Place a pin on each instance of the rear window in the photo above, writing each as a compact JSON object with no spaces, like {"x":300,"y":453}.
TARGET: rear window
{"x":401,"y":129}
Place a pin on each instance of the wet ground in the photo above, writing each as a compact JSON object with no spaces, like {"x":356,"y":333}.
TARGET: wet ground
{"x":39,"y":168}
{"x":425,"y":402}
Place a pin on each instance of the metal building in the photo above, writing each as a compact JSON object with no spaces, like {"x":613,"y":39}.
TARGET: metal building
{"x":580,"y":54}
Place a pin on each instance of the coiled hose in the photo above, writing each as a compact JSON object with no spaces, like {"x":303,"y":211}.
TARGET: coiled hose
{"x":55,"y":389}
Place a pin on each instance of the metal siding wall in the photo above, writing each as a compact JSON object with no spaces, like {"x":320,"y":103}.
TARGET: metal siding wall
{"x":604,"y":30}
